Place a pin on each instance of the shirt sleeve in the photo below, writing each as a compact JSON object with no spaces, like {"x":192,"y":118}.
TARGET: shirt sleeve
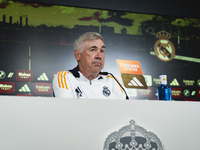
{"x":61,"y":85}
{"x":119,"y":92}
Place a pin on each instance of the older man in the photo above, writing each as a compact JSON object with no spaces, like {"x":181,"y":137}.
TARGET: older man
{"x":85,"y":80}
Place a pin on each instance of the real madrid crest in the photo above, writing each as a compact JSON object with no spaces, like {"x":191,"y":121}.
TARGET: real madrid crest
{"x":164,"y":48}
{"x":106,"y":92}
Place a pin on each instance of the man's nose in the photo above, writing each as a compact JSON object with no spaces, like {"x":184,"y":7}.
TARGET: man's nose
{"x":99,"y":54}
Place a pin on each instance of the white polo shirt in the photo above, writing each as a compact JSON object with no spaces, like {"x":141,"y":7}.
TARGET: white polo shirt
{"x":72,"y":84}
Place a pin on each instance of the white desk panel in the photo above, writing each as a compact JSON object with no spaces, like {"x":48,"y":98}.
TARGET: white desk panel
{"x":35,"y":123}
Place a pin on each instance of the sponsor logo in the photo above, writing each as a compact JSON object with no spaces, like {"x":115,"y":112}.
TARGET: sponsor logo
{"x":186,"y":93}
{"x":145,"y":92}
{"x":193,"y":93}
{"x":129,"y":67}
{"x":24,"y":88}
{"x":2,"y":74}
{"x":164,"y":48}
{"x":43,"y":88}
{"x":135,"y":82}
{"x":188,"y":82}
{"x":198,"y":82}
{"x":7,"y":87}
{"x":43,"y":77}
{"x":174,"y":83}
{"x":10,"y":75}
{"x":24,"y":75}
{"x":78,"y":92}
{"x":156,"y":81}
{"x":176,"y":92}
{"x":106,"y":92}
{"x":148,"y":80}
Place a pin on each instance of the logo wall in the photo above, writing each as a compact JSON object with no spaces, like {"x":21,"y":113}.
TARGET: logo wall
{"x":164,"y":48}
{"x":24,"y":75}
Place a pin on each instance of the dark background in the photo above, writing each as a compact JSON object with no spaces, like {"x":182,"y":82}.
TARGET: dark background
{"x":48,"y":55}
{"x":179,"y":8}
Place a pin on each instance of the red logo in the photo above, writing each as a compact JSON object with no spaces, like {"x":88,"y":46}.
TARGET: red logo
{"x":145,"y":92}
{"x":43,"y":88}
{"x":177,"y":93}
{"x":24,"y":75}
{"x":7,"y":87}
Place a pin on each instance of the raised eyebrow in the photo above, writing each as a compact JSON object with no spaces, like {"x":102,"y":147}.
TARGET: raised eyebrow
{"x":96,"y":47}
{"x":93,"y":47}
{"x":103,"y":47}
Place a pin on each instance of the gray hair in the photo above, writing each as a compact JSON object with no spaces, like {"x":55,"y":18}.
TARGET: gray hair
{"x":84,"y":37}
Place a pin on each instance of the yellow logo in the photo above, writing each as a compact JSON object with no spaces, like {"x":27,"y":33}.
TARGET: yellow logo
{"x":164,"y":48}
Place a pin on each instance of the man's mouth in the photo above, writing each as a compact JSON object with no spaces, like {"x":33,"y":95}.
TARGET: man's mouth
{"x":97,"y":63}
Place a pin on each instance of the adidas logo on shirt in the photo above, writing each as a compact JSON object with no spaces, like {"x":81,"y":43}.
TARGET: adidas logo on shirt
{"x":135,"y":82}
{"x":174,"y":83}
{"x":43,"y":77}
{"x":24,"y":88}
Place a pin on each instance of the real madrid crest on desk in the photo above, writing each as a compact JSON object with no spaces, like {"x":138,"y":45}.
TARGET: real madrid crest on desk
{"x":164,"y":48}
{"x":133,"y":137}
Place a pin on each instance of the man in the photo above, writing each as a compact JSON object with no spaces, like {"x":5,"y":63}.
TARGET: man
{"x":85,"y":81}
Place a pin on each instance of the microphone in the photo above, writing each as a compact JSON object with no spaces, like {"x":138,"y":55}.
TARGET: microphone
{"x":107,"y":73}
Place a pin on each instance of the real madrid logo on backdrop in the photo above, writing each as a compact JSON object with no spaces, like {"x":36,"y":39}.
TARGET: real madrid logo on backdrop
{"x":164,"y":48}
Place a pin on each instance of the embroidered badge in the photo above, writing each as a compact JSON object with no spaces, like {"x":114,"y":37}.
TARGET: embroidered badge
{"x":78,"y":92}
{"x":106,"y":92}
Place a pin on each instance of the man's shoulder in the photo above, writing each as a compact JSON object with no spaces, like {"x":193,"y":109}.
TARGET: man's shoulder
{"x":109,"y":77}
{"x":64,"y":73}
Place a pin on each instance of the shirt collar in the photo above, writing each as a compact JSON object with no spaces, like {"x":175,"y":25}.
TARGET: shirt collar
{"x":76,"y":73}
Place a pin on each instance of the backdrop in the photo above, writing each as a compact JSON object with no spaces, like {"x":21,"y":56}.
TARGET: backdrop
{"x":36,"y":41}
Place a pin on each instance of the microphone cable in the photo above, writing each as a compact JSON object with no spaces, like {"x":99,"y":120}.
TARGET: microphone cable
{"x":107,"y":73}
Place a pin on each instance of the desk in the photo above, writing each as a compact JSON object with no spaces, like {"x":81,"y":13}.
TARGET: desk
{"x":36,"y":123}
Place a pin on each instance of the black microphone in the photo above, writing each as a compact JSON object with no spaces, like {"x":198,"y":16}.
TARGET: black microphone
{"x":106,"y":73}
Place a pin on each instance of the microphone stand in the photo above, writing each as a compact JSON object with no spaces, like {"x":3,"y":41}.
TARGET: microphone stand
{"x":106,"y":73}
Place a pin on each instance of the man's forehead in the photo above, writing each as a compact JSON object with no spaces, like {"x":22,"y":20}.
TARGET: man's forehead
{"x":97,"y":42}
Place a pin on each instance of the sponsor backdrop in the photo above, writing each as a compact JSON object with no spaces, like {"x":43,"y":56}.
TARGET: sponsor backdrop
{"x":36,"y":41}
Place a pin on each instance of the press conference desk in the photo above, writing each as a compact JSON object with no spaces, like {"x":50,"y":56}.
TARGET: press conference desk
{"x":34,"y":123}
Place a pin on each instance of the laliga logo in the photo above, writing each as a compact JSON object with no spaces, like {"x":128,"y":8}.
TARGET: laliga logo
{"x":164,"y":48}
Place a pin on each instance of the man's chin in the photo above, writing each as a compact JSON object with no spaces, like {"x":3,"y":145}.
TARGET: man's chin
{"x":97,"y":69}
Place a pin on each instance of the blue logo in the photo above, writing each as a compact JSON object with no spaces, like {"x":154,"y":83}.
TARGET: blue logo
{"x":78,"y":92}
{"x":106,"y":92}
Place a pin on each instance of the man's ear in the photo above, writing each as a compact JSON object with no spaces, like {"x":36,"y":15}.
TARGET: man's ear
{"x":77,"y":55}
